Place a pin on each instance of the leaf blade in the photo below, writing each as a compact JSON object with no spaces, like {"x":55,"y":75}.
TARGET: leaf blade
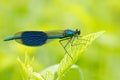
{"x":76,"y":51}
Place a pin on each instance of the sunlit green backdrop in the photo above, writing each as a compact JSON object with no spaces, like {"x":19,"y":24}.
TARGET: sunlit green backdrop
{"x":100,"y":62}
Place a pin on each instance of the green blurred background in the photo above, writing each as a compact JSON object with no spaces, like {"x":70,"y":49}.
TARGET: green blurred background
{"x":100,"y":62}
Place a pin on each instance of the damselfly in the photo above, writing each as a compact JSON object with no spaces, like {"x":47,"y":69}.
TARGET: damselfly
{"x":39,"y":38}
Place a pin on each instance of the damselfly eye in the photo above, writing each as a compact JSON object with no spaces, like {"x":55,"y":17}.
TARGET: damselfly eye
{"x":78,"y":31}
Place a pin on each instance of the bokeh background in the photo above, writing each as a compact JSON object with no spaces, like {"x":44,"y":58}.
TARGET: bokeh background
{"x":100,"y":62}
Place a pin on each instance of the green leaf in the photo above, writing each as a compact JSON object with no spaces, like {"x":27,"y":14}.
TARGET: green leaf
{"x":27,"y":70}
{"x":81,"y":45}
{"x":37,"y":76}
{"x":68,"y":75}
{"x":50,"y":73}
{"x":74,"y":73}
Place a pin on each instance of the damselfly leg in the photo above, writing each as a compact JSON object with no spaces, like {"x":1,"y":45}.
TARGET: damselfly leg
{"x":64,"y":46}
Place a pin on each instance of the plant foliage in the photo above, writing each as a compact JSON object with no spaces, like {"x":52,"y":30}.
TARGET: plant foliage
{"x":66,"y":67}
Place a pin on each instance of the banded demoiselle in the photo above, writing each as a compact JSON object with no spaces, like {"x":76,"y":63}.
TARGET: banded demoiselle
{"x":39,"y":38}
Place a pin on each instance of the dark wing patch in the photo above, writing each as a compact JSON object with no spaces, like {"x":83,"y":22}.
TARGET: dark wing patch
{"x":33,"y":38}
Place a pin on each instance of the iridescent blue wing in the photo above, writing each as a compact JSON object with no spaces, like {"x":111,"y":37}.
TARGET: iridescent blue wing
{"x":36,"y":38}
{"x":32,"y":38}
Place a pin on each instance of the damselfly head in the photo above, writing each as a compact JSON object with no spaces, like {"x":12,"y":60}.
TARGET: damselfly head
{"x":78,"y":31}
